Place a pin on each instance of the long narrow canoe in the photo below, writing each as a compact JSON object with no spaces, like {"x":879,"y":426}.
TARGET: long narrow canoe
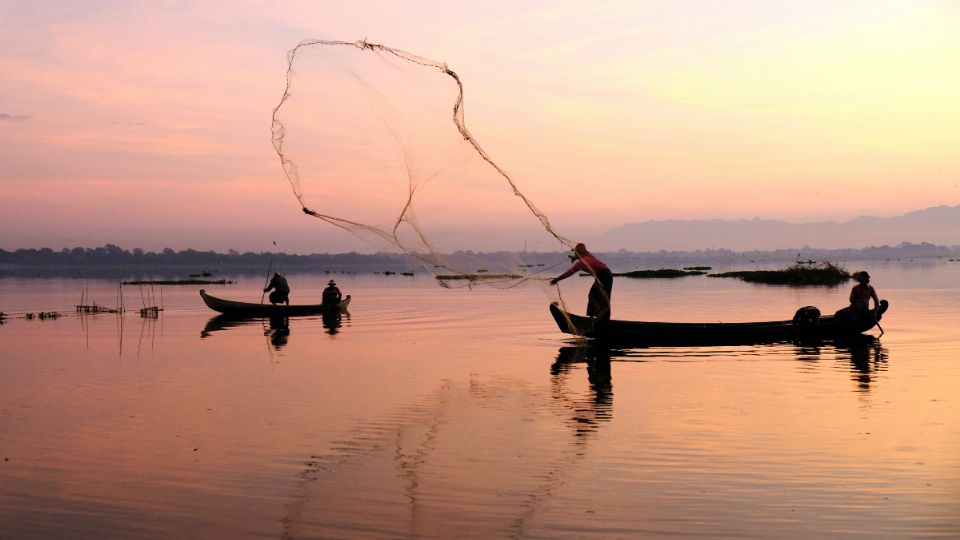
{"x":247,"y":309}
{"x":668,"y":333}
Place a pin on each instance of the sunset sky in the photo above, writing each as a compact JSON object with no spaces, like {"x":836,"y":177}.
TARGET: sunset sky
{"x":147,"y":123}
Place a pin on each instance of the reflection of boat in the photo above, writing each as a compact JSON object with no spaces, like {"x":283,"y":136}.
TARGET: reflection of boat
{"x":583,"y":354}
{"x":667,"y":333}
{"x":248,"y":309}
{"x":867,"y":358}
{"x":333,"y":320}
{"x":225,"y":322}
{"x":278,"y":331}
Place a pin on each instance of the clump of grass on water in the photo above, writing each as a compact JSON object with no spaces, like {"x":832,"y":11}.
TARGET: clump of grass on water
{"x":178,"y":282}
{"x":800,"y":274}
{"x":477,"y":277}
{"x":661,"y":273}
{"x":43,"y":315}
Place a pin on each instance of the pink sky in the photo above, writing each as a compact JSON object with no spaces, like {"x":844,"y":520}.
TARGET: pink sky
{"x":147,"y":124}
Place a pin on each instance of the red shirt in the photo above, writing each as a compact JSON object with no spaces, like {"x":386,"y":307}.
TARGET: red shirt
{"x":586,"y":263}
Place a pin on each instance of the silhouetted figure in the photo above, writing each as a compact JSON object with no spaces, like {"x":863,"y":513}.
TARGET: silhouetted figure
{"x":862,"y":293}
{"x":332,"y":295}
{"x":598,"y":300}
{"x":281,"y":291}
{"x":860,"y":297}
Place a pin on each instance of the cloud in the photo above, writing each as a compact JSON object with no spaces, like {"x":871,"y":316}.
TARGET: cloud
{"x":4,"y":117}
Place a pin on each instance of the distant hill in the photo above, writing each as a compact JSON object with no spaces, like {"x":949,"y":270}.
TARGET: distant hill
{"x":937,"y":225}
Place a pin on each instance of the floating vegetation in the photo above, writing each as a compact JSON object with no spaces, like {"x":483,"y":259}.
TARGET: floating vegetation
{"x":661,"y":273}
{"x":801,"y":274}
{"x":43,"y":316}
{"x":477,"y":277}
{"x":697,"y":268}
{"x":179,"y":282}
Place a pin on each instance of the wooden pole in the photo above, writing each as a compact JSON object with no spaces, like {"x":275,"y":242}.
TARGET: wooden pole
{"x":267,"y":282}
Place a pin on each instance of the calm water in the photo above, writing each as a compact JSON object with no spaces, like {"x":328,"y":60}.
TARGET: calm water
{"x":437,"y":413}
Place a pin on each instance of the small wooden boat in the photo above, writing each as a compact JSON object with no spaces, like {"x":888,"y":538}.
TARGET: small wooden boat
{"x":247,"y":309}
{"x":668,"y":333}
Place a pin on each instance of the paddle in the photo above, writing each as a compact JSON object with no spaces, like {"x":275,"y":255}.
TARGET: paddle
{"x":878,"y":312}
{"x":269,"y":271}
{"x":267,"y":282}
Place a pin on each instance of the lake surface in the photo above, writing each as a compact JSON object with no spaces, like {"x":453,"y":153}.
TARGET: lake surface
{"x":433,"y":413}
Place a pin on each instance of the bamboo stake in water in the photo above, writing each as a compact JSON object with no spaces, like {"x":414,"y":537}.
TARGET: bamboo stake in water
{"x":269,"y":270}
{"x":267,"y":282}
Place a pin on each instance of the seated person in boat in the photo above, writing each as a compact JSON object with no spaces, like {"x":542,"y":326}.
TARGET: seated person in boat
{"x":860,"y":297}
{"x":862,"y":293}
{"x":332,"y":295}
{"x":598,"y":304}
{"x":281,"y":291}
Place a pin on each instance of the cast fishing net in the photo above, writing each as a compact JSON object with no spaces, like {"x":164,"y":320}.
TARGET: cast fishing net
{"x":374,"y":140}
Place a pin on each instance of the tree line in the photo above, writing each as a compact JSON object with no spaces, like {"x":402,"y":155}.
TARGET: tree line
{"x":112,"y":255}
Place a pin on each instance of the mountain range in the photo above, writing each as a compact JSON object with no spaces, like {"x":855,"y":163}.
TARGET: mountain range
{"x":937,"y":225}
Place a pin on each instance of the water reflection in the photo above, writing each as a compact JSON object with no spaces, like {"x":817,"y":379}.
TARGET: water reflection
{"x":501,"y":437}
{"x":279,"y":331}
{"x":224,"y":322}
{"x":333,"y":320}
{"x":276,"y":329}
{"x":867,"y":358}
{"x":866,"y":355}
{"x":514,"y":443}
{"x":147,"y":331}
{"x":590,"y":410}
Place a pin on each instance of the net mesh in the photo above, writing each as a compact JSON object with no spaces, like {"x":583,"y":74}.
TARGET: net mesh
{"x":374,"y":140}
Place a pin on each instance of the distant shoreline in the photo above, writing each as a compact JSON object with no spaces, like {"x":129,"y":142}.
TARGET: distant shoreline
{"x":113,"y":262}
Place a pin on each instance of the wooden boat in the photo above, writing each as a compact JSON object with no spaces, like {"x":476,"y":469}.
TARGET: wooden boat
{"x":247,"y":309}
{"x":668,"y":333}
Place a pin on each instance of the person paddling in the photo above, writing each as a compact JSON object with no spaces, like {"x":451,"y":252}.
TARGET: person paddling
{"x":281,"y":291}
{"x":862,"y":293}
{"x":598,"y":299}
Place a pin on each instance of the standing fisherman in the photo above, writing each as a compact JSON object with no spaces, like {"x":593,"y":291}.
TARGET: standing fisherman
{"x":598,"y":300}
